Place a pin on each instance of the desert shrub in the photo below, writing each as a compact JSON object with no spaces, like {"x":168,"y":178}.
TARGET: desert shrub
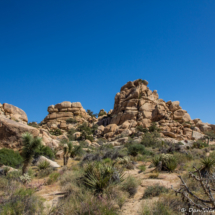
{"x":102,"y":114}
{"x":153,"y":191}
{"x":130,"y":185}
{"x":142,"y":168}
{"x":98,"y":176}
{"x":112,"y":154}
{"x":33,"y":124}
{"x":84,"y":128}
{"x":141,"y":129}
{"x":199,"y":144}
{"x":71,"y":121}
{"x":56,"y":132}
{"x":107,"y":160}
{"x":91,"y":113}
{"x":11,"y":158}
{"x":168,"y":162}
{"x":210,"y":134}
{"x":77,"y":151}
{"x":88,"y":137}
{"x":14,"y":175}
{"x":101,"y":141}
{"x":45,"y":172}
{"x":53,"y":177}
{"x":151,"y":139}
{"x":45,"y":151}
{"x":43,"y":165}
{"x":84,"y":203}
{"x":153,"y":127}
{"x":94,"y":128}
{"x":70,"y":134}
{"x":140,"y":157}
{"x":25,"y":178}
{"x":126,"y":162}
{"x":137,"y":148}
{"x":21,"y":201}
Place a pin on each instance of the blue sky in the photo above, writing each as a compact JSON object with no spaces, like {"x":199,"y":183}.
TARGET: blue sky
{"x":53,"y":51}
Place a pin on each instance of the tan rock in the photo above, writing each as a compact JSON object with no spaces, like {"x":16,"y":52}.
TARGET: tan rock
{"x":11,"y":133}
{"x":76,"y":105}
{"x":63,"y":105}
{"x":169,"y":134}
{"x":179,"y":114}
{"x":197,"y":135}
{"x":88,"y":142}
{"x":110,"y":128}
{"x":15,"y":112}
{"x":173,"y":106}
{"x":127,"y":132}
{"x":77,"y":135}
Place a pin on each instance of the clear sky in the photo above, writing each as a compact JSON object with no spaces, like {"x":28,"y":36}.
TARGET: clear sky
{"x":53,"y":51}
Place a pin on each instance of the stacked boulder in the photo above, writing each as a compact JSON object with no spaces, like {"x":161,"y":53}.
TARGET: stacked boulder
{"x":14,"y":113}
{"x":61,"y":112}
{"x":136,"y":105}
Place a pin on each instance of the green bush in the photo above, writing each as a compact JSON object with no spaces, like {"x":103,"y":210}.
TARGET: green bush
{"x":153,"y":127}
{"x":199,"y":144}
{"x":151,"y":139}
{"x":71,"y":121}
{"x":70,"y":134}
{"x":11,"y":158}
{"x":43,"y":165}
{"x":134,"y":149}
{"x":91,"y":113}
{"x":130,"y":185}
{"x":141,"y":129}
{"x":142,"y":168}
{"x":53,"y":177}
{"x":168,"y":161}
{"x":56,"y":132}
{"x":102,"y":114}
{"x":77,"y":151}
{"x":153,"y":191}
{"x":45,"y":151}
{"x":21,"y":201}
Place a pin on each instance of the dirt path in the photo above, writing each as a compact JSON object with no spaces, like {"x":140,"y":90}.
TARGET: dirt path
{"x":133,"y":206}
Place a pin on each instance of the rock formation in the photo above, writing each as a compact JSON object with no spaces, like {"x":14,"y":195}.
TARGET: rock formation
{"x":14,"y":113}
{"x":11,"y":132}
{"x":61,"y":112}
{"x":136,"y":104}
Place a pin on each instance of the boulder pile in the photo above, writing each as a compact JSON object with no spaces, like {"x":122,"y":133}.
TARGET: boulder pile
{"x":14,"y":113}
{"x":60,"y":113}
{"x":136,"y":105}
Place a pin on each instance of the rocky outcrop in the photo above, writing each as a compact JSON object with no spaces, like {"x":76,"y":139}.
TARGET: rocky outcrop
{"x":11,"y":132}
{"x":136,"y":104}
{"x":60,"y":113}
{"x":14,"y":113}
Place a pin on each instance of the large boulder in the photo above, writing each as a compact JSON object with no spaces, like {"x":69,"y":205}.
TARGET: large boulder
{"x":11,"y":132}
{"x":14,"y":113}
{"x":53,"y":164}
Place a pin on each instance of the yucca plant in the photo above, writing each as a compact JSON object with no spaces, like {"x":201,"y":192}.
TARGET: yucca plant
{"x":99,"y":176}
{"x":208,"y":164}
{"x":44,"y":165}
{"x":30,"y":144}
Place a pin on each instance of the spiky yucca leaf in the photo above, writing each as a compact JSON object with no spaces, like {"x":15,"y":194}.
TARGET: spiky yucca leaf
{"x":99,"y":176}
